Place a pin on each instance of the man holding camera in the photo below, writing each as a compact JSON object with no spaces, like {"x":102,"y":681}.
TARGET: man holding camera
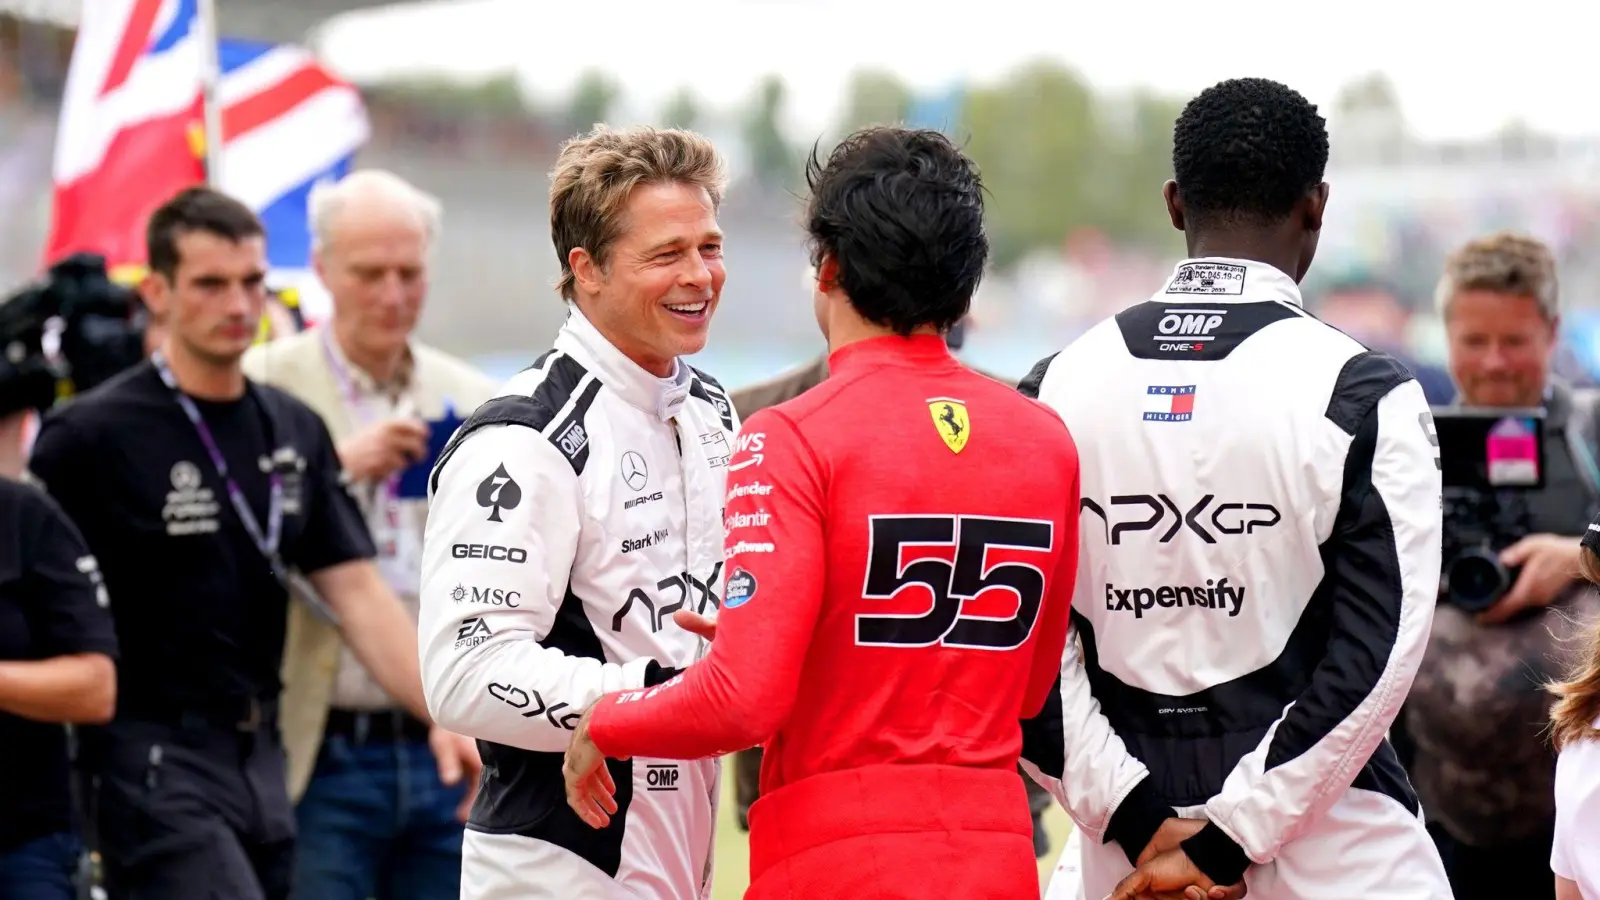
{"x":1496,"y":637}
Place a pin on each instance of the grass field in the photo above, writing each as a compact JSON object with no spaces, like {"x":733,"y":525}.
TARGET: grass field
{"x":733,"y":851}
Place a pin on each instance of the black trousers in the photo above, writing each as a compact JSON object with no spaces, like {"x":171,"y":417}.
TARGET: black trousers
{"x":1520,"y":870}
{"x":192,"y":811}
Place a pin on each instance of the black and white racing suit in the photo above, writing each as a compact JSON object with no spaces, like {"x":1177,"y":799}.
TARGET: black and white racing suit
{"x":1258,"y":569}
{"x":570,"y":517}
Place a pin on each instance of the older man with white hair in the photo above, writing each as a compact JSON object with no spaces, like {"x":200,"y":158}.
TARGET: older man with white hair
{"x":380,"y":798}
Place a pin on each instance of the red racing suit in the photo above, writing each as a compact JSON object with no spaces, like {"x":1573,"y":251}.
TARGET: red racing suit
{"x":901,"y":546}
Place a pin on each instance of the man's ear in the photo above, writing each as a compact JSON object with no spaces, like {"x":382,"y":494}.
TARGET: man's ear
{"x":156,"y":294}
{"x":1316,"y":205}
{"x":586,"y":270}
{"x":1174,"y":203}
{"x":828,"y":273}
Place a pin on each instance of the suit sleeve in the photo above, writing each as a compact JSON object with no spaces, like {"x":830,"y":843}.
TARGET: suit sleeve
{"x":1070,"y":747}
{"x":745,"y":688}
{"x":1382,"y":569}
{"x":494,"y":582}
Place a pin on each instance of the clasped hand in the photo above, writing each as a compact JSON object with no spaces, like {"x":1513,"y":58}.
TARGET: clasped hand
{"x":591,"y":791}
{"x":1165,"y":872}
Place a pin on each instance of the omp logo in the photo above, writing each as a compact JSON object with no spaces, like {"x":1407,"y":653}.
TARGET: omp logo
{"x":1180,"y":324}
{"x":573,"y":440}
{"x":661,"y":776}
{"x":1214,"y":595}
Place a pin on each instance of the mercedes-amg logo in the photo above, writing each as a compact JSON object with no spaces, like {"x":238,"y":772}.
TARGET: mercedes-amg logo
{"x":634,"y":472}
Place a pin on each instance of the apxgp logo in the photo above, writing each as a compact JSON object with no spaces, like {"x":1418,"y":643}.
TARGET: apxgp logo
{"x":498,"y":492}
{"x":517,"y":698}
{"x":1214,"y":595}
{"x":1150,"y":510}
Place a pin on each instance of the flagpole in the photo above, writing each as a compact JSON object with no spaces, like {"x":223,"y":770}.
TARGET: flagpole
{"x":210,"y":75}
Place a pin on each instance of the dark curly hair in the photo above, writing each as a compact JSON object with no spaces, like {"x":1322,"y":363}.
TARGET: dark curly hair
{"x":901,"y":212}
{"x":1246,"y":150}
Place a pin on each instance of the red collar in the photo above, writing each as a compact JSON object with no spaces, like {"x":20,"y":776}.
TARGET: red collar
{"x":916,"y":350}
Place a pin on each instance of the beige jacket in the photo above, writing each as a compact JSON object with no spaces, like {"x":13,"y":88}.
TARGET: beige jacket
{"x":298,"y":364}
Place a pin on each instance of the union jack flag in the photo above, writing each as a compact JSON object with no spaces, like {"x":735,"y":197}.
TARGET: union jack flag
{"x":131,"y":133}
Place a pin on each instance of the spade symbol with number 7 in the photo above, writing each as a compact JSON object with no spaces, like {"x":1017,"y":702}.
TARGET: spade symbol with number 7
{"x":498,"y":492}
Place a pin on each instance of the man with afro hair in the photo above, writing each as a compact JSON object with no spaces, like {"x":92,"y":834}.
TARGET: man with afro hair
{"x":1259,"y":553}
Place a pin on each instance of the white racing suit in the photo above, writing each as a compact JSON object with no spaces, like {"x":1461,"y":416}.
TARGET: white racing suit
{"x":1258,"y":568}
{"x":570,"y":517}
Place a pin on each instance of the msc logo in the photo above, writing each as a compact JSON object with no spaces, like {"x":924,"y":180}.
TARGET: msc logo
{"x":489,"y":551}
{"x":951,"y":421}
{"x":487,"y":596}
{"x":1152,"y":510}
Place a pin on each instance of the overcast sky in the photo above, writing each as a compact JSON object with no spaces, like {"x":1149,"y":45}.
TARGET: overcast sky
{"x":1460,"y":73}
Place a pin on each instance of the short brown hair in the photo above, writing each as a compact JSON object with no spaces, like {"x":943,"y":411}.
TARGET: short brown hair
{"x":596,"y":173}
{"x":1505,"y":263}
{"x":195,"y":209}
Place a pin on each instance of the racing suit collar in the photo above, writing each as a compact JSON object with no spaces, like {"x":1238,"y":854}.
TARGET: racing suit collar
{"x":1259,"y":282}
{"x":915,"y":350}
{"x":660,"y":397}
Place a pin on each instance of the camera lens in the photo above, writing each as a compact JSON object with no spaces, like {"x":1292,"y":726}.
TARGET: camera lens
{"x":1476,"y":580}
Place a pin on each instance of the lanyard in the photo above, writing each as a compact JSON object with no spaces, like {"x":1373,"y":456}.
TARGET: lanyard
{"x":266,"y":542}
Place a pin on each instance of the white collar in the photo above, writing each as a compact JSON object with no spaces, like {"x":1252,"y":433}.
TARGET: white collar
{"x":660,"y":397}
{"x":1220,"y":279}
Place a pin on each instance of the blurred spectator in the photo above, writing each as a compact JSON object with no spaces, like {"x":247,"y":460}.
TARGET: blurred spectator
{"x":1374,"y":314}
{"x":379,"y":812}
{"x":56,"y":650}
{"x":1575,"y":726}
{"x":197,"y":491}
{"x":1478,"y":709}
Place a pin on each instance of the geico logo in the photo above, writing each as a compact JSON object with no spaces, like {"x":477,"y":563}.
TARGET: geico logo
{"x":661,"y":778}
{"x":1215,"y":595}
{"x":1191,"y":322}
{"x":1153,"y":509}
{"x":638,"y":500}
{"x":489,"y":551}
{"x":752,"y":442}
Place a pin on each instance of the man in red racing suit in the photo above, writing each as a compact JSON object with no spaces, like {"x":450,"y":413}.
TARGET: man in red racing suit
{"x":901,"y":545}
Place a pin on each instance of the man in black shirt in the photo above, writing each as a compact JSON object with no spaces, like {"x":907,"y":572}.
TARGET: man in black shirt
{"x":56,"y":652}
{"x":201,"y":492}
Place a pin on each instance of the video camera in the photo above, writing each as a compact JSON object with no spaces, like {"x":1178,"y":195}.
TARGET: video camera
{"x":66,"y":333}
{"x":1491,"y":460}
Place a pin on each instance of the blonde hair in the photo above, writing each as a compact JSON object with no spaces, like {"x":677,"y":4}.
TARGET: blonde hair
{"x":1573,"y":717}
{"x":1504,"y":263}
{"x":596,"y":174}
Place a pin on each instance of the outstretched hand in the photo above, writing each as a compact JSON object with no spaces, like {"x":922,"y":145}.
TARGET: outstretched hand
{"x":591,"y":792}
{"x":1171,"y":876}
